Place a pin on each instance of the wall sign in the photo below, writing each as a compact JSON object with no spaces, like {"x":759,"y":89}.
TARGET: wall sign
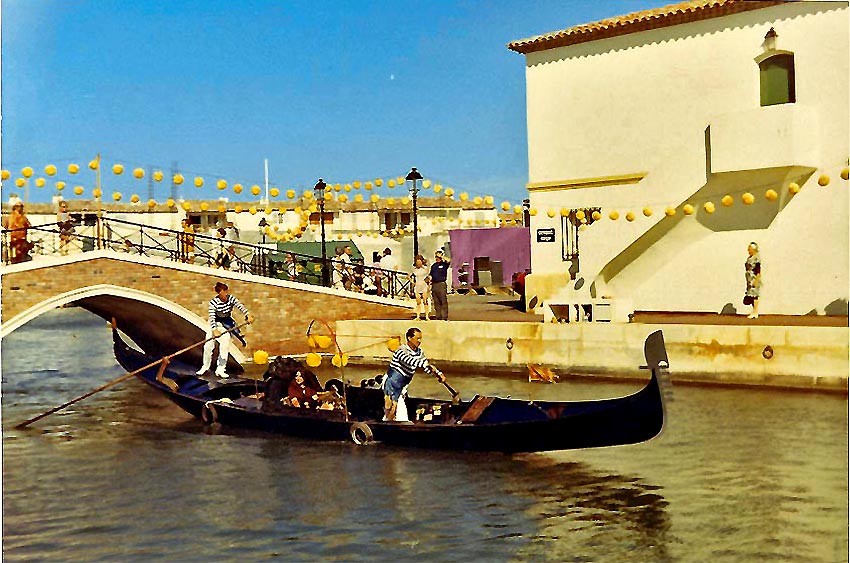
{"x":546,"y":235}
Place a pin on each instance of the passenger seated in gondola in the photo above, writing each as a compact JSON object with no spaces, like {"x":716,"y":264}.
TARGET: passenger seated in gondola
{"x":301,"y":393}
{"x":277,"y":378}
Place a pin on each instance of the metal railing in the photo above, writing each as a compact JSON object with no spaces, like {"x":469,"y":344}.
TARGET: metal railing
{"x":204,"y":250}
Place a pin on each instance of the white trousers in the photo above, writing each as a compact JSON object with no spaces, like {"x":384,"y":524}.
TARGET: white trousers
{"x":223,"y":350}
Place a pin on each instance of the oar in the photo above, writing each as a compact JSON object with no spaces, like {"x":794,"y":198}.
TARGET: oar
{"x":124,"y":377}
{"x":455,"y":394}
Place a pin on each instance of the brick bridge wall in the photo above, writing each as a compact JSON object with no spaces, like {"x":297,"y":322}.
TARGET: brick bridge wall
{"x":282,"y":310}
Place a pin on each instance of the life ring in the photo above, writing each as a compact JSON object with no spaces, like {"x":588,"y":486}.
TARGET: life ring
{"x":361,"y":434}
{"x":208,"y":413}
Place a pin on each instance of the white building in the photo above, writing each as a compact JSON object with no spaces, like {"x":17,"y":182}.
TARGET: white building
{"x":681,"y":106}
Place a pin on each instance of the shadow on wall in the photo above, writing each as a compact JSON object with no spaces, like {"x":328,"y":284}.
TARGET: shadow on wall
{"x":737,"y":217}
{"x":837,"y":308}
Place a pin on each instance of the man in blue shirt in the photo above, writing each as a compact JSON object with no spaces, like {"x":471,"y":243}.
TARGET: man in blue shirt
{"x":439,"y":273}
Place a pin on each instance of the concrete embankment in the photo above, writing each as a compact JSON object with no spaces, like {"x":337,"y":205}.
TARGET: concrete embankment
{"x":797,"y":357}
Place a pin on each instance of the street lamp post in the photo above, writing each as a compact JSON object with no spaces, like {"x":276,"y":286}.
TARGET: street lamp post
{"x":319,"y":190}
{"x":412,"y":176}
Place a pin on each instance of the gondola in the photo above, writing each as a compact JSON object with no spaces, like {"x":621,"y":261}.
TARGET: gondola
{"x":480,"y":424}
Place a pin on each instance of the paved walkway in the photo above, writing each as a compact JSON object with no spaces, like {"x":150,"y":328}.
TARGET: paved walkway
{"x":499,"y":308}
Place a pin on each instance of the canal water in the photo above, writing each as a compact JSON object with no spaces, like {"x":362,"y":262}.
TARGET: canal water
{"x":738,"y":476}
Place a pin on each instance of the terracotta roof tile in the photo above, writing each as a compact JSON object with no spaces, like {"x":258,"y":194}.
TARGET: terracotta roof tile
{"x":665,"y":16}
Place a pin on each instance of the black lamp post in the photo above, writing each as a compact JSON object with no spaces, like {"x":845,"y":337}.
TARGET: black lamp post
{"x":262,"y":225}
{"x":319,"y":190}
{"x":412,"y":176}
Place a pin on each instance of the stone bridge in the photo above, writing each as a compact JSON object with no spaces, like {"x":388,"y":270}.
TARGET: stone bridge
{"x":162,"y":305}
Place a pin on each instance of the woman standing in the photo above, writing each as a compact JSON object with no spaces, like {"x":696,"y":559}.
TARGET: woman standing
{"x":66,"y":227}
{"x":420,"y":287}
{"x":752,"y":272}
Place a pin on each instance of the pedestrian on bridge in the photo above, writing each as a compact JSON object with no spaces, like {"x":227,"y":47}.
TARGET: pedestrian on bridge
{"x":220,"y":321}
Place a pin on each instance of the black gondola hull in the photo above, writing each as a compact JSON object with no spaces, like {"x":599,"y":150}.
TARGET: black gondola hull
{"x":505,"y":425}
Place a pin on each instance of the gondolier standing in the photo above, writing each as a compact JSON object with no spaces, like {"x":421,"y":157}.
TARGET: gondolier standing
{"x":405,"y":361}
{"x":220,"y":309}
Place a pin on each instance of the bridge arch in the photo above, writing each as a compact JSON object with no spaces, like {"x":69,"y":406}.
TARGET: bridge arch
{"x":155,"y":323}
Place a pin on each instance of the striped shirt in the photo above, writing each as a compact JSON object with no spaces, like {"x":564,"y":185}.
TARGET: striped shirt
{"x":223,"y":309}
{"x":406,"y":361}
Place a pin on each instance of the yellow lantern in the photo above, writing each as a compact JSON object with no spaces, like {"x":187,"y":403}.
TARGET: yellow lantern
{"x":97,"y":192}
{"x":356,"y":184}
{"x":237,"y":188}
{"x":748,"y":198}
{"x":252,"y":210}
{"x":399,"y":180}
{"x":261,"y":357}
{"x":313,"y":360}
{"x":580,"y":214}
{"x":116,"y":196}
{"x":73,"y":168}
{"x":221,"y":184}
{"x":170,"y":202}
{"x":151,"y":203}
{"x":630,"y":216}
{"x":596,"y":215}
{"x":647,"y":212}
{"x":255,"y":190}
{"x":727,"y":200}
{"x":709,"y":207}
{"x":39,"y":182}
{"x":517,"y":209}
{"x":237,"y":209}
{"x":204,"y":206}
{"x":367,"y":186}
{"x":178,"y":179}
{"x":393,"y":344}
{"x":199,"y":182}
{"x":94,"y":164}
{"x":50,"y":170}
{"x":5,"y":174}
{"x":688,"y":209}
{"x":26,"y":172}
{"x":464,"y":196}
{"x":374,"y":198}
{"x":343,"y":198}
{"x":323,"y":341}
{"x":187,"y":206}
{"x":390,"y":183}
{"x":771,"y":195}
{"x":290,"y":194}
{"x":390,"y":201}
{"x":823,"y":181}
{"x":794,"y":188}
{"x":845,"y":173}
{"x":134,"y":198}
{"x":222,"y":208}
{"x":138,"y":173}
{"x":158,"y":175}
{"x":308,"y":194}
{"x":347,"y":187}
{"x":340,"y":361}
{"x":78,"y":190}
{"x":551,"y":213}
{"x":60,"y":186}
{"x":274,"y":192}
{"x":438,"y":188}
{"x":478,"y":200}
{"x":379,"y":182}
{"x":358,"y":198}
{"x":117,"y":169}
{"x":20,"y":182}
{"x":426,"y":184}
{"x":565,"y":212}
{"x":670,"y":211}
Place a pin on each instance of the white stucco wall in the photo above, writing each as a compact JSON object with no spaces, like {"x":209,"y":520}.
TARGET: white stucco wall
{"x":642,"y":103}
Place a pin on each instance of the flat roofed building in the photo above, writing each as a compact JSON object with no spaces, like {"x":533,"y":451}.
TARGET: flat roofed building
{"x":674,"y":118}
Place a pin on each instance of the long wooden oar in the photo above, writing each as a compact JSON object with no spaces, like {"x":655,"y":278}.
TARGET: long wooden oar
{"x":124,"y":377}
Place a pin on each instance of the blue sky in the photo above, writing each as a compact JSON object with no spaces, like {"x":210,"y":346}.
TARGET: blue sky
{"x":340,"y":90}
